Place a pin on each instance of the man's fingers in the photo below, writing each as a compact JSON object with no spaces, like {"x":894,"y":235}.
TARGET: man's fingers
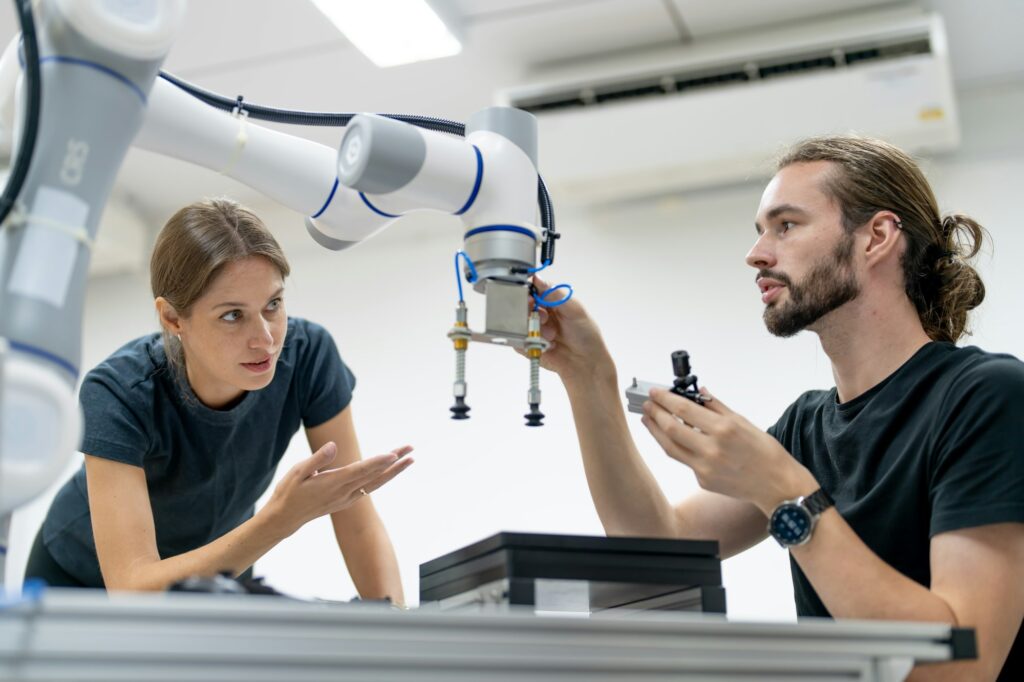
{"x":714,"y":404}
{"x":701,"y":416}
{"x":671,"y":448}
{"x":680,"y":433}
{"x":548,"y":324}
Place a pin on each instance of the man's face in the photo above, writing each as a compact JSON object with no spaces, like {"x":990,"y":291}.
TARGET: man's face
{"x":802,"y":255}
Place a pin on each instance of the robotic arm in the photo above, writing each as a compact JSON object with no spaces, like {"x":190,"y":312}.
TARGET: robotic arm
{"x":385,"y":169}
{"x":97,"y":69}
{"x":100,"y":64}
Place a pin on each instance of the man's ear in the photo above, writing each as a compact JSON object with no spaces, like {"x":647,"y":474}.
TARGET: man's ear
{"x":883,"y":233}
{"x":169,"y":317}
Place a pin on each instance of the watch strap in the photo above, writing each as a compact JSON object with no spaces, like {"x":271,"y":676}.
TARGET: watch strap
{"x":817,"y":502}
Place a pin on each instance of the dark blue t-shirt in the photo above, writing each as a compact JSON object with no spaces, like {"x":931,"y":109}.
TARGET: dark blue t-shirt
{"x":937,"y":446}
{"x":205,"y":468}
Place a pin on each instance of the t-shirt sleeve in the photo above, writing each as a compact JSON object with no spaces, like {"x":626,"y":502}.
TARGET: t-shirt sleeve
{"x":326,"y":382}
{"x":778,"y":429}
{"x":113,"y":426}
{"x":977,"y":474}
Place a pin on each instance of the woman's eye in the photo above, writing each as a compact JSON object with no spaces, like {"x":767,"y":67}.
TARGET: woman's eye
{"x":232,"y":316}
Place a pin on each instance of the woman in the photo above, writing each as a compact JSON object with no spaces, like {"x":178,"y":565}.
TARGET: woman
{"x":184,"y":430}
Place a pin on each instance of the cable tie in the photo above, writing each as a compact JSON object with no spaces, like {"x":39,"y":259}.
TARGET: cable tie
{"x":241,"y":138}
{"x":19,"y":217}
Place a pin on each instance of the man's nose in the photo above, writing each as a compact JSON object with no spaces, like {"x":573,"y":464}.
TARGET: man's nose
{"x":761,"y":256}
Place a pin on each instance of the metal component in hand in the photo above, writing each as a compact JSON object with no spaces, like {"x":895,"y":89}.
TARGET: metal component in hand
{"x":685,"y":383}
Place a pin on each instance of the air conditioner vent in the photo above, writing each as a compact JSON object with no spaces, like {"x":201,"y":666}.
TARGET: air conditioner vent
{"x":683,"y":82}
{"x":668,"y":120}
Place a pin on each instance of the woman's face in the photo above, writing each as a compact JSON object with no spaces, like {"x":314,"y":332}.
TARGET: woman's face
{"x":234,"y":335}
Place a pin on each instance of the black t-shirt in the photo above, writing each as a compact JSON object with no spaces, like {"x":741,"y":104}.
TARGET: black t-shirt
{"x":204,"y":468}
{"x":935,"y":447}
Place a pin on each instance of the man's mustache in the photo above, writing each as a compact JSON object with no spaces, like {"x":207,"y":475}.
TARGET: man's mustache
{"x":772,"y":274}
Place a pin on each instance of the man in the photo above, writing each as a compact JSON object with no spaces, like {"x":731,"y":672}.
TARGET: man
{"x":920,"y":445}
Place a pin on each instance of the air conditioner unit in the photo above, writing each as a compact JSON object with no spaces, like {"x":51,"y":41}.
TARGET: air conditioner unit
{"x":718,"y":112}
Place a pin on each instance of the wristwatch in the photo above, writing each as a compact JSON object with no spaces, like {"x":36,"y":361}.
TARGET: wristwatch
{"x":793,"y":521}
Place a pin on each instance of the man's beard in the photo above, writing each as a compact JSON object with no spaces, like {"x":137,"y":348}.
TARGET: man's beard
{"x":830,"y":284}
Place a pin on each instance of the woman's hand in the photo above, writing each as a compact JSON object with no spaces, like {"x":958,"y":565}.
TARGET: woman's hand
{"x":311,"y":489}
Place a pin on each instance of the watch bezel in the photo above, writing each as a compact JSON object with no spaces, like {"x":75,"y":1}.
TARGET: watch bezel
{"x":796,"y":504}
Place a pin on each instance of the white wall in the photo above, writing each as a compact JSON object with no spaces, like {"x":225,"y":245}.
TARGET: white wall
{"x":658,"y":275}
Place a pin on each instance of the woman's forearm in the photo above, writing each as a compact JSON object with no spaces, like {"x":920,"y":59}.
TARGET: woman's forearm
{"x":370,"y":558}
{"x":232,"y":553}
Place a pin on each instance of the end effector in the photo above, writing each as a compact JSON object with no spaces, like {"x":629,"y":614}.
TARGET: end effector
{"x":489,"y":180}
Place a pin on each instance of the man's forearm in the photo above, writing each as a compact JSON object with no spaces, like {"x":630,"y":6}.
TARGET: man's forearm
{"x":853,"y":582}
{"x":628,"y":499}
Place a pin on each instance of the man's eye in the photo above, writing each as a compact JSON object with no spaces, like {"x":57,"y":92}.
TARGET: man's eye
{"x":275,"y":304}
{"x":785,"y":225}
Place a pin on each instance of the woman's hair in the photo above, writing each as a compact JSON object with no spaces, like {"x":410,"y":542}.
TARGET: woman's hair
{"x":871,"y":176}
{"x":193,"y":247}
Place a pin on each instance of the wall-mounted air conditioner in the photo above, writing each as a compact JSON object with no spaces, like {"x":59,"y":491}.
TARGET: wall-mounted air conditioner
{"x":717,"y":112}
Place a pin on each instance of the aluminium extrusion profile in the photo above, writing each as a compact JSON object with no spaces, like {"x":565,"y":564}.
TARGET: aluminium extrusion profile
{"x":87,"y":635}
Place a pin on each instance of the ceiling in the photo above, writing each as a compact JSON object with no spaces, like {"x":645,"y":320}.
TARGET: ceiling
{"x":284,"y":53}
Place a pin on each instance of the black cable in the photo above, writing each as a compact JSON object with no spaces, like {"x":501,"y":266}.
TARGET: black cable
{"x":313,"y":118}
{"x":306,"y":118}
{"x":27,"y":145}
{"x":547,"y":220}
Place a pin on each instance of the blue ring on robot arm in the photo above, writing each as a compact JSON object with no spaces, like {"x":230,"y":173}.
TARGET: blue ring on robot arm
{"x":469,"y":202}
{"x":45,"y":355}
{"x":476,"y":183}
{"x":106,"y":70}
{"x":330,"y":198}
{"x":501,"y":228}
{"x":375,"y":209}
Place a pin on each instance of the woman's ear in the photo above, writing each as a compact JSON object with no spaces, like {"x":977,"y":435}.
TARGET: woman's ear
{"x":169,"y":318}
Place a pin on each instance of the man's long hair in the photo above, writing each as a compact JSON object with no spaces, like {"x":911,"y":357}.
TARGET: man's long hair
{"x":870,"y":176}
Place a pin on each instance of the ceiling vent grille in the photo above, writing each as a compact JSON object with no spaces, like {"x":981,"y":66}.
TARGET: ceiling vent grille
{"x":726,"y":75}
{"x":718,"y":112}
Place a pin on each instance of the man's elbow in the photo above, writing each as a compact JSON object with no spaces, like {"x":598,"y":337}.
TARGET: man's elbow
{"x":956,"y":671}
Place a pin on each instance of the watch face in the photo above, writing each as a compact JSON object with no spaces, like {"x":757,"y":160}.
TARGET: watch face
{"x":790,"y":524}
